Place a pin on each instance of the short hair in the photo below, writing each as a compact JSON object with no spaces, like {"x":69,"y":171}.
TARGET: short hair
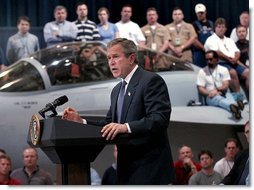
{"x":151,"y":9}
{"x":240,"y":26}
{"x":2,"y":150}
{"x":24,"y":18}
{"x":26,"y":148}
{"x":128,"y":46}
{"x":215,"y":55}
{"x":202,"y":152}
{"x":79,"y":4}
{"x":231,"y":140}
{"x":6,"y":157}
{"x":220,"y":21}
{"x":60,"y":7}
{"x":127,"y":5}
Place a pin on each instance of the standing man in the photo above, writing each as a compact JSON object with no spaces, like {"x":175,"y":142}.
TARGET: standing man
{"x":31,"y":173}
{"x":140,"y":107}
{"x":204,"y":29}
{"x":87,"y":29}
{"x":60,"y":30}
{"x":128,"y":29}
{"x":182,"y":36}
{"x":22,"y":43}
{"x":156,"y":35}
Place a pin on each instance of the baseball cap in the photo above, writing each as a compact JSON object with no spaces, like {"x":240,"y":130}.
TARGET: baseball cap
{"x":200,"y":8}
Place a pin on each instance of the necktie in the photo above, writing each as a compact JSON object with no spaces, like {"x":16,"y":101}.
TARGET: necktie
{"x":245,"y":174}
{"x":120,"y":101}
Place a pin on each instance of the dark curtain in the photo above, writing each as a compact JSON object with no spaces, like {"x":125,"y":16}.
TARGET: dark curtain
{"x":41,"y":11}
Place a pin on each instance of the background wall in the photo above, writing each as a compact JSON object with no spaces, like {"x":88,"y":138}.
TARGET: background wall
{"x":41,"y":11}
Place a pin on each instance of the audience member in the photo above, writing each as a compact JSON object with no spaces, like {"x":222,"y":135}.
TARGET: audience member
{"x":138,"y":113}
{"x":182,"y":36}
{"x":229,"y":55}
{"x":224,"y":165}
{"x":95,"y":178}
{"x":110,"y":175}
{"x":156,"y":35}
{"x":244,"y":21}
{"x":108,"y":31}
{"x":5,"y":169}
{"x":60,"y":30}
{"x":243,"y":45}
{"x":128,"y":29}
{"x":2,"y":152}
{"x":185,"y":167}
{"x":204,"y":29}
{"x":239,"y":174}
{"x":87,"y":29}
{"x":213,"y":83}
{"x":207,"y":175}
{"x":22,"y":43}
{"x":31,"y":173}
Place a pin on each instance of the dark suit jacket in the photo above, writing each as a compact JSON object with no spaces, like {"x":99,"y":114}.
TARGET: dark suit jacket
{"x":235,"y":173}
{"x":146,"y":159}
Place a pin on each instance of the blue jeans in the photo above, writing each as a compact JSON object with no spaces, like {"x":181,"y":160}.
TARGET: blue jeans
{"x":221,"y":101}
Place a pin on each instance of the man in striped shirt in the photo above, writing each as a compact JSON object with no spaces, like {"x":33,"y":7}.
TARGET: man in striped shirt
{"x":87,"y":29}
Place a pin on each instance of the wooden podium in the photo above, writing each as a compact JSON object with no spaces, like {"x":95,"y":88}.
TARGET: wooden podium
{"x":73,"y":145}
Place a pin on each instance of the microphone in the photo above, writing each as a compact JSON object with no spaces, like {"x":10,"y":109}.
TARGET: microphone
{"x":52,"y":106}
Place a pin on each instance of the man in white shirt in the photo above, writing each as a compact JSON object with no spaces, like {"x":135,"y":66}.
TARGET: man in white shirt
{"x":224,"y":165}
{"x":244,"y":20}
{"x":128,"y":29}
{"x":229,"y":56}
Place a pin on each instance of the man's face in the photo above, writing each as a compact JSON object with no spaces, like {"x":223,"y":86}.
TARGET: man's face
{"x":151,"y":17}
{"x":30,"y":158}
{"x":126,"y":13}
{"x":185,"y":152}
{"x":211,"y":61}
{"x":82,"y":11}
{"x":245,"y":19}
{"x":5,"y":167}
{"x":119,"y":64}
{"x":231,"y":150}
{"x":60,"y":15}
{"x":241,"y":33}
{"x":220,"y":30}
{"x":23,"y":26}
{"x":206,"y":161}
{"x":177,"y":16}
{"x":201,"y":15}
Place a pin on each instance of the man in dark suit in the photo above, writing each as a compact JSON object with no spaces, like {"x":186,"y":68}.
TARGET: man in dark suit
{"x":239,"y":174}
{"x":145,"y":115}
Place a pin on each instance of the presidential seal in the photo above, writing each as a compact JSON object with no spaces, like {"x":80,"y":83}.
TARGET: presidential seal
{"x":35,"y":129}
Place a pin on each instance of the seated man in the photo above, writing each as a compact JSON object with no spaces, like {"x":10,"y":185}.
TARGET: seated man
{"x":185,"y":167}
{"x":213,"y":82}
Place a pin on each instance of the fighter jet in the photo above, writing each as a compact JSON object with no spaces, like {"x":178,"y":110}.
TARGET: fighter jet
{"x":80,"y":71}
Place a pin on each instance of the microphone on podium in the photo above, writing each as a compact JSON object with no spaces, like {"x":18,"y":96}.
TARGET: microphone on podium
{"x":52,"y":106}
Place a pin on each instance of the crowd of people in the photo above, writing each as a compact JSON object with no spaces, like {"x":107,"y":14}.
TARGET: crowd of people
{"x":232,"y":169}
{"x":224,"y":66}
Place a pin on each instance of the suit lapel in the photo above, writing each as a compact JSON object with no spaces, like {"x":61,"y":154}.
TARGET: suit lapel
{"x":129,"y":94}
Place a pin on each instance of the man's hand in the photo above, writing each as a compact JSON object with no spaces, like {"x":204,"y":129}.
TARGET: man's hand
{"x":71,"y":115}
{"x":110,"y":130}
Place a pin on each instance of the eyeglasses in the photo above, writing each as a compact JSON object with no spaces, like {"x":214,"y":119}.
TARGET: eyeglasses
{"x":209,"y":59}
{"x":200,"y":13}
